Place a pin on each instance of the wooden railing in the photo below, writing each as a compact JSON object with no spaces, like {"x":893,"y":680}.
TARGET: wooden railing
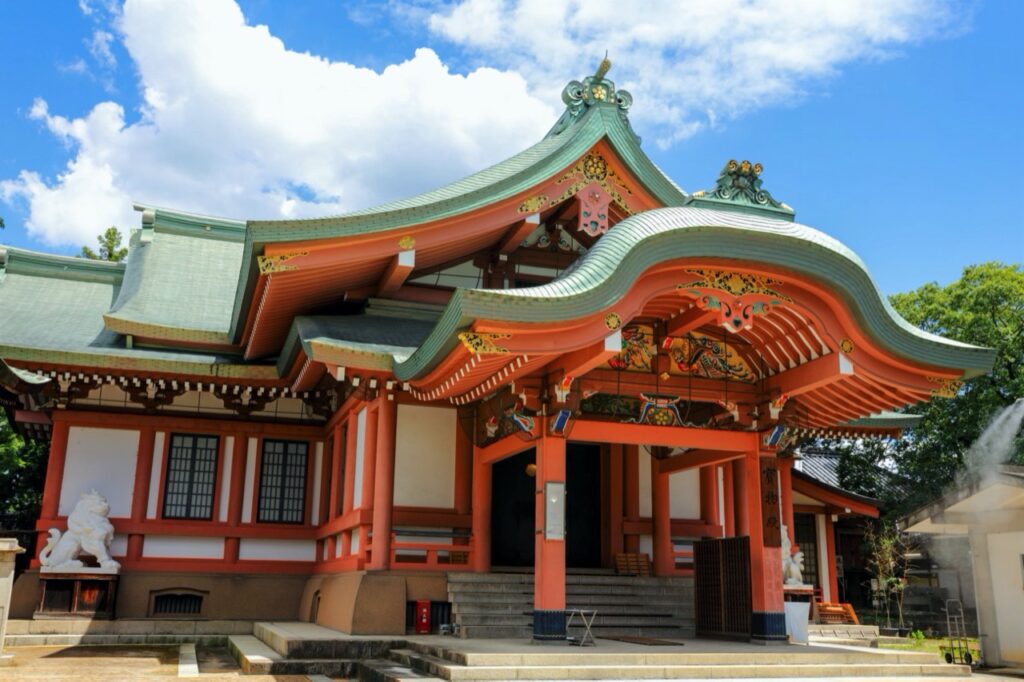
{"x":431,"y":556}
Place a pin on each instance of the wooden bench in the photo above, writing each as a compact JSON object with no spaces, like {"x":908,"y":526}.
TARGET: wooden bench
{"x":633,"y":564}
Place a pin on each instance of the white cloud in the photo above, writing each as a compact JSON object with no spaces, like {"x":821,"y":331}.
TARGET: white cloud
{"x":234,"y":123}
{"x":690,"y":64}
{"x":99,"y":48}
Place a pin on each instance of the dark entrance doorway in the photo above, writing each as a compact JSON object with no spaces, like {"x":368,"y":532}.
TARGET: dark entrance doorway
{"x":513,"y":510}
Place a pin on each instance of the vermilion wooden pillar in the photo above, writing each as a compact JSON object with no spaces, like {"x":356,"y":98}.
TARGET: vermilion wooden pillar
{"x":549,"y":556}
{"x":140,"y":492}
{"x":463,"y":470}
{"x":631,"y":491}
{"x":369,"y":475}
{"x":830,"y":549}
{"x":662,"y":522}
{"x":709,"y":495}
{"x":384,"y":483}
{"x":740,"y":497}
{"x":786,"y":492}
{"x":768,"y":621}
{"x":728,"y":500}
{"x":348,"y":486}
{"x":481,"y":554}
{"x":337,"y":475}
{"x":615,"y":500}
{"x":54,"y":476}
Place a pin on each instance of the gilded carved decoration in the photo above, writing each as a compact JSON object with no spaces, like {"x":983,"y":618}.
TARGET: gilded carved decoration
{"x":271,"y":264}
{"x":694,"y":354}
{"x":483,"y":343}
{"x":945,"y":388}
{"x":737,"y":297}
{"x":407,"y":242}
{"x":612,"y":321}
{"x":597,"y":185}
{"x":595,"y":90}
{"x":740,"y":183}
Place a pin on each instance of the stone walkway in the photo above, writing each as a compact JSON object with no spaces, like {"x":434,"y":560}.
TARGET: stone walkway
{"x":117,"y":663}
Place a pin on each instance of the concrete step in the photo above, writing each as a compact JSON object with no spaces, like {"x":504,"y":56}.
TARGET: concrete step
{"x":843,"y":631}
{"x":390,"y":670}
{"x":127,"y":626}
{"x":524,"y":588}
{"x":570,"y":579}
{"x":661,"y":672}
{"x":256,"y":658}
{"x":600,"y":621}
{"x":601,"y":606}
{"x":310,"y":641}
{"x":111,"y":639}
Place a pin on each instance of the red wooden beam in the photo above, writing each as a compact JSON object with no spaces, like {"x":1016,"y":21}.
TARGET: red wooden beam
{"x":667,"y":436}
{"x":502,"y":449}
{"x":517,"y":233}
{"x":693,"y":318}
{"x":578,"y":362}
{"x":811,"y":375}
{"x":696,"y":458}
{"x":397,"y":272}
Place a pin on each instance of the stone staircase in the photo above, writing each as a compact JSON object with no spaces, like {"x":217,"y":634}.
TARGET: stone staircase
{"x":306,"y":649}
{"x":500,"y":605}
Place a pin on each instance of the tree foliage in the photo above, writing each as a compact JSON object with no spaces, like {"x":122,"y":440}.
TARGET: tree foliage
{"x":110,"y":247}
{"x":22,"y":472}
{"x":985,"y":307}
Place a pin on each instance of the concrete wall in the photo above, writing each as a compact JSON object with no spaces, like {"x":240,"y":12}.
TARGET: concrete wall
{"x":225,"y":596}
{"x":425,"y":456}
{"x":1006,"y":566}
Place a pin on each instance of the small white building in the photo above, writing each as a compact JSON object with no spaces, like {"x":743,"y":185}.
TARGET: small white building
{"x":990,"y":512}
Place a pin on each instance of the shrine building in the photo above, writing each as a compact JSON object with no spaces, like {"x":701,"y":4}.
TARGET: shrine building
{"x":561,"y":366}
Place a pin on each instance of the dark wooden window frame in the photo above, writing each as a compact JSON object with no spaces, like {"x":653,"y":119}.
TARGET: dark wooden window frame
{"x":191,"y":484}
{"x":268,"y":493}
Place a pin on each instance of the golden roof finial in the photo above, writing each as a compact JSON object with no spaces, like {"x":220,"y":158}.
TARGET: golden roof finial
{"x":603,"y":67}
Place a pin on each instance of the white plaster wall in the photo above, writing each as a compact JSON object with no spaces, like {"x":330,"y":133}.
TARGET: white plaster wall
{"x":357,"y":484}
{"x":1005,"y":552}
{"x":684,"y":494}
{"x":425,"y":456}
{"x":119,"y":545}
{"x":154,"y":475}
{"x":645,"y":481}
{"x":353,"y":543}
{"x":277,"y":550}
{"x":182,"y":547}
{"x":824,"y":569}
{"x":102,"y":460}
{"x":647,"y":546}
{"x":225,"y":478}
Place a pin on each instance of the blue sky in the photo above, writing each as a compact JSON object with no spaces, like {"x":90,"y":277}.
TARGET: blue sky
{"x":894,"y":126}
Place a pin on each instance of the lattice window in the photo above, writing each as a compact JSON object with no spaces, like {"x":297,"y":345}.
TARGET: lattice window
{"x":283,"y":482}
{"x":191,"y":476}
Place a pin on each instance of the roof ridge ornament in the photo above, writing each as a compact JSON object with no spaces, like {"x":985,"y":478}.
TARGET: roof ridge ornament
{"x":739,"y":187}
{"x":595,"y":90}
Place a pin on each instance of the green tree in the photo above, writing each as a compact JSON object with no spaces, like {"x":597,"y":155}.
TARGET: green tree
{"x":22,"y":471}
{"x":985,"y":307}
{"x":110,"y":247}
{"x":2,"y":226}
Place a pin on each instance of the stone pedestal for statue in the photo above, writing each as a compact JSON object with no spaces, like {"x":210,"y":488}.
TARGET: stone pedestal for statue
{"x":69,"y":586}
{"x":9,"y":549}
{"x":77,"y":595}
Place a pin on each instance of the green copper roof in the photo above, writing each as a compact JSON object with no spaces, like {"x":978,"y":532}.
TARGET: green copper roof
{"x":53,"y":310}
{"x":606,"y":273}
{"x":506,"y":179}
{"x":887,"y":420}
{"x":180,"y":278}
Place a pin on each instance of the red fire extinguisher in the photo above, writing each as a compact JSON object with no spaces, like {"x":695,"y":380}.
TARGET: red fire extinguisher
{"x":423,"y":617}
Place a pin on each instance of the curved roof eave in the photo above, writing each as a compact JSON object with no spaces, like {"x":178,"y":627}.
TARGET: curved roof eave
{"x":503,"y":180}
{"x":606,"y":272}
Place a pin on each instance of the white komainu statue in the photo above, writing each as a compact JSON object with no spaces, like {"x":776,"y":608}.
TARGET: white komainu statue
{"x":792,"y":564}
{"x":88,"y":532}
